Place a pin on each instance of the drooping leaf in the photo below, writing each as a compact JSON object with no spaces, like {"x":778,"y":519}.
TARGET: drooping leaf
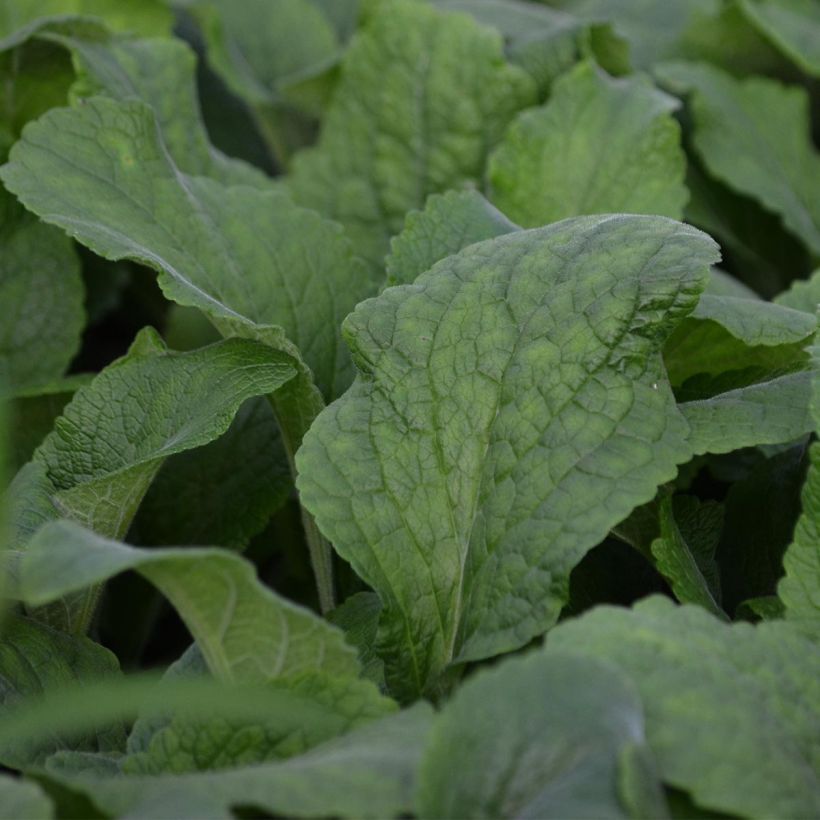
{"x":676,"y":561}
{"x":22,"y":798}
{"x":41,"y":299}
{"x":539,"y":736}
{"x":511,"y":407}
{"x":448,"y":223}
{"x":754,"y":135}
{"x":423,"y":97}
{"x":250,"y":259}
{"x":35,"y":659}
{"x":599,"y":145}
{"x":793,"y":26}
{"x":246,"y":632}
{"x":368,"y":773}
{"x":756,"y":688}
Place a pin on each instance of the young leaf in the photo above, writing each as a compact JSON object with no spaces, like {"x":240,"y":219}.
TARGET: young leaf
{"x":422,"y":98}
{"x":511,"y":407}
{"x":675,"y":560}
{"x":448,"y":223}
{"x":599,"y":145}
{"x":246,"y":632}
{"x":755,"y":136}
{"x":35,"y":659}
{"x":41,"y":292}
{"x":756,"y":688}
{"x":538,"y":736}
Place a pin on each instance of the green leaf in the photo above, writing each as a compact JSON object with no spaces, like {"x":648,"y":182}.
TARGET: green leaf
{"x":249,"y":258}
{"x":246,"y":632}
{"x":755,"y":136}
{"x":675,"y":560}
{"x":358,"y":618}
{"x":448,"y":223}
{"x":221,"y":494}
{"x":802,"y":295}
{"x":22,"y":798}
{"x":599,"y":145}
{"x":793,"y":26}
{"x":770,"y":412}
{"x":35,"y":659}
{"x":757,"y":689}
{"x":511,"y":407}
{"x":537,"y":736}
{"x":655,"y":30}
{"x":160,"y":72}
{"x":368,"y":773}
{"x":41,"y":292}
{"x":20,"y":19}
{"x":545,"y":42}
{"x":423,"y":97}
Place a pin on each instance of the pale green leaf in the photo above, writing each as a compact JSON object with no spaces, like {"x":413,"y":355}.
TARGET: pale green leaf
{"x":41,"y":300}
{"x":23,"y":799}
{"x":448,"y":223}
{"x":538,"y":736}
{"x":35,"y":659}
{"x":732,"y":711}
{"x":368,"y":773}
{"x":802,"y":295}
{"x":599,"y":145}
{"x":755,"y":136}
{"x":511,"y":407}
{"x":246,"y":632}
{"x":423,"y":97}
{"x":793,"y":26}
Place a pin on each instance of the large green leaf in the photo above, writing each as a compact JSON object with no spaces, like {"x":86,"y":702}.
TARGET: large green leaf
{"x":35,"y":659}
{"x":41,"y":294}
{"x":423,"y":97}
{"x":255,"y":263}
{"x":246,"y":632}
{"x":540,"y":736}
{"x":755,"y":136}
{"x":599,"y":145}
{"x":369,"y":772}
{"x":732,"y":712}
{"x":793,"y":26}
{"x":511,"y":407}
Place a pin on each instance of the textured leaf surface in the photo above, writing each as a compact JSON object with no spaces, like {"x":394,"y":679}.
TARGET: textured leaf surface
{"x":757,"y":688}
{"x":793,"y":26}
{"x":246,"y":632}
{"x":250,"y":259}
{"x":370,"y":772}
{"x":599,"y":145}
{"x":511,"y":407}
{"x":422,"y":98}
{"x":448,"y":223}
{"x":20,"y":798}
{"x":770,"y":412}
{"x":41,"y":300}
{"x":35,"y":659}
{"x":754,"y":135}
{"x":802,"y":295}
{"x":538,"y":736}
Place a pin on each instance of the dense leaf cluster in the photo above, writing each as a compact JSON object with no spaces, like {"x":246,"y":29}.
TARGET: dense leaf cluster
{"x":407,"y":408}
